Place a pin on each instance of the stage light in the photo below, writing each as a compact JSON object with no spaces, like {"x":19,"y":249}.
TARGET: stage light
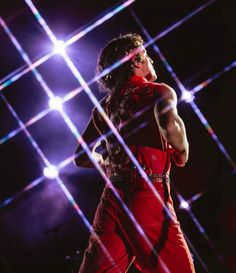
{"x":59,"y":47}
{"x":50,"y":172}
{"x":187,"y":96}
{"x":56,"y":103}
{"x":184,"y":205}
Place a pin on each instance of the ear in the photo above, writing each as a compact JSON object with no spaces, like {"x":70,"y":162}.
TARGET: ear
{"x":136,"y":63}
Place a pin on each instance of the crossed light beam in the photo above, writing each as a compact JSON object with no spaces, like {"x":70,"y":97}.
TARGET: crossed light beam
{"x":73,"y":130}
{"x":189,"y":97}
{"x":80,"y":79}
{"x":94,"y":100}
{"x":85,"y":86}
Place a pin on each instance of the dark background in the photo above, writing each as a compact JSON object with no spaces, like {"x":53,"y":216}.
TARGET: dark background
{"x":40,"y":231}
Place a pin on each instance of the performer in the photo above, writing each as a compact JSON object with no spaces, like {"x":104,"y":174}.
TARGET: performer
{"x":145,"y":114}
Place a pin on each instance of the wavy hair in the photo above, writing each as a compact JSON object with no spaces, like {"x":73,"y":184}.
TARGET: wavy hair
{"x":114,"y":51}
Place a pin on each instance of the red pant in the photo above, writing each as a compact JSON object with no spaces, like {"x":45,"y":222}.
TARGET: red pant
{"x":168,"y":251}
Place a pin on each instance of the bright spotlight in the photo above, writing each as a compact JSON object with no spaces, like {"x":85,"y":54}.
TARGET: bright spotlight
{"x":187,"y":96}
{"x":50,"y":172}
{"x":56,"y":103}
{"x":59,"y":47}
{"x":184,"y":205}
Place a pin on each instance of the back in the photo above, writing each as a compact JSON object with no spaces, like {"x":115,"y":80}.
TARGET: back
{"x":132,"y":113}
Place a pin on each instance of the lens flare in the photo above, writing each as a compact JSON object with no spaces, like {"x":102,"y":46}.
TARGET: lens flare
{"x":51,"y":172}
{"x":59,"y":47}
{"x":56,"y":103}
{"x":184,"y":205}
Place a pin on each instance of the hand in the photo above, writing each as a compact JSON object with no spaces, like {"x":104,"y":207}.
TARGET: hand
{"x":179,"y":158}
{"x":98,"y":157}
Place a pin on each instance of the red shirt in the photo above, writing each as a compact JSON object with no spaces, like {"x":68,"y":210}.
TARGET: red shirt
{"x":131,"y":110}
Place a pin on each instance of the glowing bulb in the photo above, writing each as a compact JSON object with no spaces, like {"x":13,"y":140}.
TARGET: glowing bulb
{"x":59,"y":47}
{"x":50,"y":172}
{"x":56,"y":103}
{"x":187,"y":96}
{"x":184,"y":205}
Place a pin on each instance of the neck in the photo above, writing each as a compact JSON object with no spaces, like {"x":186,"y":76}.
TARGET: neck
{"x":148,"y":77}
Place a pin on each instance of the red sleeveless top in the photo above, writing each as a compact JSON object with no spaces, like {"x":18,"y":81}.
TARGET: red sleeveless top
{"x":131,"y":110}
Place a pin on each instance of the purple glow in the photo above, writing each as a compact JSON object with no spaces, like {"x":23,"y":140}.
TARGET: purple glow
{"x":27,"y":124}
{"x":51,"y":172}
{"x":56,"y":103}
{"x":27,"y":133}
{"x":6,"y":81}
{"x":76,"y":73}
{"x":78,"y":76}
{"x":26,"y":59}
{"x":59,"y":47}
{"x":25,"y":71}
{"x":75,"y":132}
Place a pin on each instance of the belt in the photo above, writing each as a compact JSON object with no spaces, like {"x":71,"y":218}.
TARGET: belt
{"x":159,"y":177}
{"x":154,"y":177}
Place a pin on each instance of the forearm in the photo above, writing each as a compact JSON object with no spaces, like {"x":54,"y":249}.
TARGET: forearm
{"x":175,"y":135}
{"x":173,"y":130}
{"x":171,"y":125}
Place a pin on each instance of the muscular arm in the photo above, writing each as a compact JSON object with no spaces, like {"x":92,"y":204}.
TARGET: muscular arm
{"x":171,"y":125}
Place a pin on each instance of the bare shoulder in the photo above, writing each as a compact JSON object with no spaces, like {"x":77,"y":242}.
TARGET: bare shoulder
{"x":164,"y":90}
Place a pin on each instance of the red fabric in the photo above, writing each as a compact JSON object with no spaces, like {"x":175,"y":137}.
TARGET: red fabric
{"x":164,"y":250}
{"x":123,"y":241}
{"x":131,"y":110}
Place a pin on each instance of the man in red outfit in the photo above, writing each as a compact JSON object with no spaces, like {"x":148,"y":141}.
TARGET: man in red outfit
{"x":145,"y":115}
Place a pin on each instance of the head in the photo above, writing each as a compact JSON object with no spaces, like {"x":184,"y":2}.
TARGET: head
{"x":139,"y":63}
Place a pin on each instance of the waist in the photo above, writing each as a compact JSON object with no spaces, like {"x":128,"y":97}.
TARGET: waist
{"x":151,"y":160}
{"x":135,"y":177}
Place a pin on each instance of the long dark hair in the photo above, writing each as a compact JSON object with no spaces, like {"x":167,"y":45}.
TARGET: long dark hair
{"x":114,"y":51}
